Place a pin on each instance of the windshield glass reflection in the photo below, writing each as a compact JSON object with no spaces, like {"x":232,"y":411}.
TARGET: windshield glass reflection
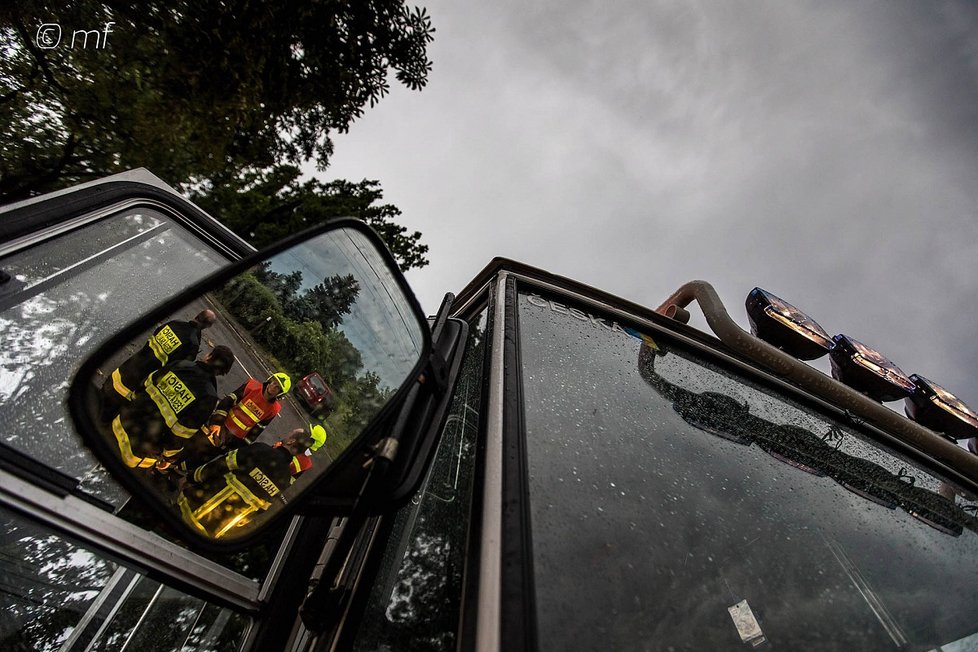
{"x":711,"y":513}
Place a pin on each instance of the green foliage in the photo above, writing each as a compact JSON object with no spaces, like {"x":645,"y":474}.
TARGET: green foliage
{"x":258,"y":301}
{"x":325,"y":302}
{"x":263,"y":206}
{"x":192,"y":88}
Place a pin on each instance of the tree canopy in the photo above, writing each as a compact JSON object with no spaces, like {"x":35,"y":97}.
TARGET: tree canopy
{"x":263,"y":206}
{"x":192,"y":88}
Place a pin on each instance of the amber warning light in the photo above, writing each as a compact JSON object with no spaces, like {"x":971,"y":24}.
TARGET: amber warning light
{"x":780,"y":324}
{"x":934,"y":407}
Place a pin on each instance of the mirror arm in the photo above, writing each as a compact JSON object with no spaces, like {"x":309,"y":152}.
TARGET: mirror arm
{"x":323,"y":602}
{"x":441,"y":317}
{"x":327,"y":591}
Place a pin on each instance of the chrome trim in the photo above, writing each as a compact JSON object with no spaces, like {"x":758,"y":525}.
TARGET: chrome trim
{"x":128,"y":543}
{"x":114,"y":611}
{"x":478,"y":296}
{"x":142,"y":618}
{"x":490,"y":562}
{"x":69,"y":225}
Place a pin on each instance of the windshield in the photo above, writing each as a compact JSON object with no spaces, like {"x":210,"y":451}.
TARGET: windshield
{"x":677,"y":505}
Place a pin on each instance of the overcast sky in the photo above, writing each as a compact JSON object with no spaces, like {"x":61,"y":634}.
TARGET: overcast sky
{"x":825,"y":151}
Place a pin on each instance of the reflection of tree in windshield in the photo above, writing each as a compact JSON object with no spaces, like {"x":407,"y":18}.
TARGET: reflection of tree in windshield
{"x":802,"y":449}
{"x":300,"y":329}
{"x":45,"y":586}
{"x":326,"y":302}
{"x":36,"y":361}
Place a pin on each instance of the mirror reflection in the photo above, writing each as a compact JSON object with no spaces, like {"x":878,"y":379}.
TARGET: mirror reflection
{"x":228,"y":408}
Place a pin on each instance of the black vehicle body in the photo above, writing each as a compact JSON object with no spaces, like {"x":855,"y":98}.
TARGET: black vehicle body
{"x":606,"y":478}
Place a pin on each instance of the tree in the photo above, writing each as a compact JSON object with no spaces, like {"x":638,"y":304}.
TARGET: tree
{"x":328,"y":301}
{"x":192,"y":88}
{"x":264,"y":206}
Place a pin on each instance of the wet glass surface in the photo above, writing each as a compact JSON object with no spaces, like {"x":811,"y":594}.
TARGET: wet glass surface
{"x":50,"y":585}
{"x":72,"y":292}
{"x":416,"y":597}
{"x":84,"y":298}
{"x":665,"y":493}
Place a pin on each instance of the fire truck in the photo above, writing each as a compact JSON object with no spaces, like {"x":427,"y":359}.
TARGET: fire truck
{"x":551,"y":467}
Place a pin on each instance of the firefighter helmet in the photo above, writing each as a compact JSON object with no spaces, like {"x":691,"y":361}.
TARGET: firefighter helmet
{"x":318,"y":437}
{"x":283,"y":381}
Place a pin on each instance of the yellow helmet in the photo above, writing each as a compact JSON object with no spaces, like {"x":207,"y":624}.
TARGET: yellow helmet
{"x":318,"y":434}
{"x":283,"y":381}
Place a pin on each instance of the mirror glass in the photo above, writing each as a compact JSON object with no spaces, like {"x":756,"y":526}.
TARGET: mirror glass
{"x":228,"y":408}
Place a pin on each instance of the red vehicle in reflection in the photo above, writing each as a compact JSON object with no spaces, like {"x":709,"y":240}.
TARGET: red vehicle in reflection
{"x":316,"y":394}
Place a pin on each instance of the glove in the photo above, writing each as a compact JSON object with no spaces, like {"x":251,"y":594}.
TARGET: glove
{"x":214,"y":436}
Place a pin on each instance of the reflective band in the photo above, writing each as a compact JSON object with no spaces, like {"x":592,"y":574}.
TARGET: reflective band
{"x":171,"y":453}
{"x":232,"y":460}
{"x":183,"y":431}
{"x":239,"y":423}
{"x":245,"y":492}
{"x":120,"y":387}
{"x":239,"y":519}
{"x":294,"y":465}
{"x":213,"y":502}
{"x":125,"y":448}
{"x":164,"y":343}
{"x":166,"y":411}
{"x":248,"y":412}
{"x":189,"y":515}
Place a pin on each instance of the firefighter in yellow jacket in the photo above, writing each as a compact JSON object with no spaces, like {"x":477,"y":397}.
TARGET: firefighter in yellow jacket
{"x":169,"y":407}
{"x":226,"y":492}
{"x":175,"y":340}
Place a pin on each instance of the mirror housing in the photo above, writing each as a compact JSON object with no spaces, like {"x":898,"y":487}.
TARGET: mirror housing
{"x":181,"y":438}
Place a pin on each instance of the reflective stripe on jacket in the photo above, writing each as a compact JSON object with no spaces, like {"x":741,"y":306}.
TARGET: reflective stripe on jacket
{"x":250,"y":409}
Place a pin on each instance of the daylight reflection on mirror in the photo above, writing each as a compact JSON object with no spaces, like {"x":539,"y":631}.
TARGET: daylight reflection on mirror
{"x":227,"y":409}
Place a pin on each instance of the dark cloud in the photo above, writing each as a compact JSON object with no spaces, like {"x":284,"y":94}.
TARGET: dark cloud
{"x":825,"y":150}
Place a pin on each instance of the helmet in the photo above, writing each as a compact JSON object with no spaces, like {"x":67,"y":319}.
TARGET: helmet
{"x":318,"y":434}
{"x":283,"y":381}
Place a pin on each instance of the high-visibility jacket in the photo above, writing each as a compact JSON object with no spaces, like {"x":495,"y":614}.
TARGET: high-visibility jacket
{"x":170,"y":407}
{"x":245,"y":412}
{"x":300,"y":464}
{"x":173,"y":341}
{"x":225,"y":492}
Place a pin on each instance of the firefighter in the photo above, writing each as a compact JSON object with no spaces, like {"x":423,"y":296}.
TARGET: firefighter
{"x":242,"y":415}
{"x":237,"y":420}
{"x":175,"y":340}
{"x":170,"y":407}
{"x":302,"y":462}
{"x":226,"y":491}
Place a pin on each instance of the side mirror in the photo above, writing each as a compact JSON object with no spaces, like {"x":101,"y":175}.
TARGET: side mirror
{"x":236,"y":398}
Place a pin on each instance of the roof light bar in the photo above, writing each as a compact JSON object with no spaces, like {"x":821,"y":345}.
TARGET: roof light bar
{"x":934,"y":407}
{"x":780,"y":324}
{"x":868,"y":371}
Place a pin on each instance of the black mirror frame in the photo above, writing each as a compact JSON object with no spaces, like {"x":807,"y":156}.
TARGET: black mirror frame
{"x":80,"y":389}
